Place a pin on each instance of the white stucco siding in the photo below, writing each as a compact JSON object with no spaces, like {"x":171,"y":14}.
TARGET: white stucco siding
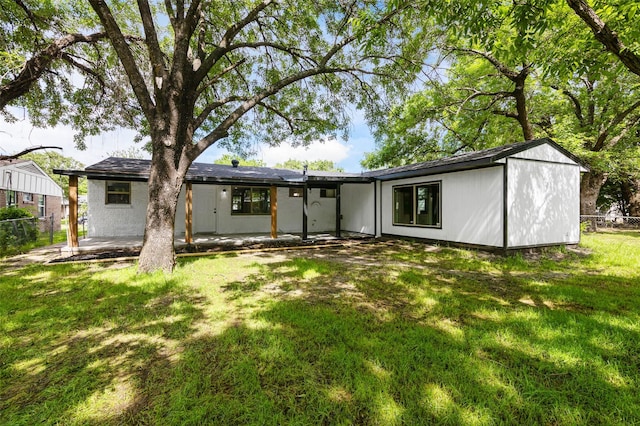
{"x":357,"y":208}
{"x":116,"y":220}
{"x":543,"y":203}
{"x":472,"y":208}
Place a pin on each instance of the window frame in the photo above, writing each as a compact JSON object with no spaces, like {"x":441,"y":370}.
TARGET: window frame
{"x":11,"y":198}
{"x":42,"y":205}
{"x":107,"y":193}
{"x":265,"y":212}
{"x":296,"y":192}
{"x":414,"y":204}
{"x":27,"y":197}
{"x":328,"y":192}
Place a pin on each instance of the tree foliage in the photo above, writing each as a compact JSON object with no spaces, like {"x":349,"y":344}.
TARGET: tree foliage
{"x":234,"y":72}
{"x":318,"y":165}
{"x":226,"y":159}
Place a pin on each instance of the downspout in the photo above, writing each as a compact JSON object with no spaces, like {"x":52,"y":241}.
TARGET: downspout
{"x":505,"y":207}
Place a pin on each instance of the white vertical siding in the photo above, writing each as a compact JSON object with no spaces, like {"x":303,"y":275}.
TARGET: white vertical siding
{"x":358,"y":209}
{"x":24,"y":177}
{"x":472,"y":208}
{"x":543,"y":203}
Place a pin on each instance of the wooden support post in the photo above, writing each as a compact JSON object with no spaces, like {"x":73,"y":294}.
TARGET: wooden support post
{"x":188,"y":230}
{"x":274,"y":212}
{"x":305,"y":212}
{"x":73,"y":211}
{"x":338,"y":215}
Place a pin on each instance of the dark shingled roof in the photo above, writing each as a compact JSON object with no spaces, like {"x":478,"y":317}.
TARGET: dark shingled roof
{"x":134,"y":169}
{"x":128,"y":168}
{"x":464,"y":161}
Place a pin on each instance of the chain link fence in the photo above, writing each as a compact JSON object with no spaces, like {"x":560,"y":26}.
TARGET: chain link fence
{"x":15,"y":233}
{"x":593,"y":222}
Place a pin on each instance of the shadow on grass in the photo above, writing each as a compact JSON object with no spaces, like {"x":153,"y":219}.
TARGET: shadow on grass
{"x":71,"y":337}
{"x":374,"y":335}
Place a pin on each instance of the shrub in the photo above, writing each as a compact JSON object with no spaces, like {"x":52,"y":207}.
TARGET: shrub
{"x":15,"y":233}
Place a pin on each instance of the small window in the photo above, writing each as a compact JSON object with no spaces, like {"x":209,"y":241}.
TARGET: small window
{"x":27,"y":197}
{"x":42,"y":206}
{"x":417,"y":205}
{"x":248,"y":200}
{"x":327,"y":193}
{"x":295,"y":192}
{"x":118,"y":192}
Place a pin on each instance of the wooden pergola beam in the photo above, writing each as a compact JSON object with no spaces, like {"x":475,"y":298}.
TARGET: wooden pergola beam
{"x":188,"y":229}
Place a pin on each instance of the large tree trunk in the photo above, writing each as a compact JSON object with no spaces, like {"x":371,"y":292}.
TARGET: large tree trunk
{"x":631,"y":190}
{"x":165,"y":182}
{"x":590,"y":185}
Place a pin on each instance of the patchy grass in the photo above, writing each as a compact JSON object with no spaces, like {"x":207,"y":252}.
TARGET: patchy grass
{"x":385,"y":333}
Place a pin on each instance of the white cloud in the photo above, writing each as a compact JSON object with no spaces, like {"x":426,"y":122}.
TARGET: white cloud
{"x":332,"y":150}
{"x":14,"y":137}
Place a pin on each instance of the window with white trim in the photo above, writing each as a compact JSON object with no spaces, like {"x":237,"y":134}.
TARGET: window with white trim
{"x":417,"y":205}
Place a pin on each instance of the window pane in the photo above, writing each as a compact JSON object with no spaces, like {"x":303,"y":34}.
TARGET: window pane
{"x":246,"y":200}
{"x":428,"y":204}
{"x":403,"y":205}
{"x":295,"y":192}
{"x":327,"y":193}
{"x":118,"y":187}
{"x":118,"y":193}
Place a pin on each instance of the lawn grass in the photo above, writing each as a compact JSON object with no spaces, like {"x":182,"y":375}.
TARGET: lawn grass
{"x":385,"y":333}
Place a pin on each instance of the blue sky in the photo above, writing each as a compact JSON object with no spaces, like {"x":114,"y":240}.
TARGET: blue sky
{"x":15,"y":137}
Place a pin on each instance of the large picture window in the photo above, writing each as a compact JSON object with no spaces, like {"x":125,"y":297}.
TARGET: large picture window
{"x":248,"y":200}
{"x":118,"y":192}
{"x":417,"y":205}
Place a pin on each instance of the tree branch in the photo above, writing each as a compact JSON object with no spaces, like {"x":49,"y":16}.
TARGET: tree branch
{"x":126,"y":58}
{"x":26,"y":151}
{"x":39,"y":63}
{"x":605,"y":35}
{"x":619,"y":118}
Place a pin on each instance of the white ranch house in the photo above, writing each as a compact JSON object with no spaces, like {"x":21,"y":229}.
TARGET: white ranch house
{"x":511,"y":197}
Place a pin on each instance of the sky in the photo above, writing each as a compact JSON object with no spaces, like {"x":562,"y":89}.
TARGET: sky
{"x":15,"y":137}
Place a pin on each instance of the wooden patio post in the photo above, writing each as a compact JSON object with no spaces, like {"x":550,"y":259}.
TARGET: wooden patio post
{"x":188,"y":234}
{"x":274,"y":212}
{"x":73,"y":211}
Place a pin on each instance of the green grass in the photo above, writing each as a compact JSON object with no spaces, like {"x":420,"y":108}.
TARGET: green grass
{"x":386,"y":333}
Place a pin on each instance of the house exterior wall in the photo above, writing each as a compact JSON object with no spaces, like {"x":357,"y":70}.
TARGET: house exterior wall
{"x":543,"y":202}
{"x":358,"y":208}
{"x":211,"y":212}
{"x":116,"y":220}
{"x":472,"y":207}
{"x":26,"y":178}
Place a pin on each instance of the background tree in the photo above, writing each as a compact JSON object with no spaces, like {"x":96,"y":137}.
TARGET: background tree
{"x":131,"y":152}
{"x":232,"y":71}
{"x":54,"y":160}
{"x":226,"y":159}
{"x":564,"y":88}
{"x":319,"y":165}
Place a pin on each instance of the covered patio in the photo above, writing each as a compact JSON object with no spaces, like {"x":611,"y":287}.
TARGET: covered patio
{"x":202,"y":242}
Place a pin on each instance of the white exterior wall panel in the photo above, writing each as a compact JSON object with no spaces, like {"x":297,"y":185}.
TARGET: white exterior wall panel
{"x":472,"y":208}
{"x":116,"y":220}
{"x":358,"y":209}
{"x":543,"y":203}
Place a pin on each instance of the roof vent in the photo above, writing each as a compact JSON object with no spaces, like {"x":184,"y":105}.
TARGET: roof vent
{"x":235,"y":163}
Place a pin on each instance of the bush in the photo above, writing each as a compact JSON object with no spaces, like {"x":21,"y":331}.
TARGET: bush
{"x":13,"y":232}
